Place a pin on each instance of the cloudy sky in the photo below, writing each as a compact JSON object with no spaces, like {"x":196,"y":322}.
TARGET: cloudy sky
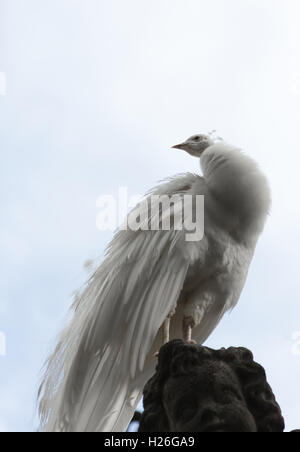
{"x":96,"y":93}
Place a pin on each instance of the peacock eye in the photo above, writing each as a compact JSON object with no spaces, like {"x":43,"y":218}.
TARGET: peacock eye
{"x":196,"y":138}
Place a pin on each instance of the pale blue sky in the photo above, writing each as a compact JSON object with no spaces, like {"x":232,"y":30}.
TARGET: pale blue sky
{"x":97,"y":92}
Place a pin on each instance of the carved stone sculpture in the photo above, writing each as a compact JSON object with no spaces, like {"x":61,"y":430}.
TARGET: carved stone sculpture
{"x":197,"y":389}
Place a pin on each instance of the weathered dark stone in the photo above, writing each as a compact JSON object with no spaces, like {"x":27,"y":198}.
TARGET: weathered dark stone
{"x":197,"y":389}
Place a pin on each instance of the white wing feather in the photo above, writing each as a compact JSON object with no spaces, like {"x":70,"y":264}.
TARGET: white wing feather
{"x":95,"y":377}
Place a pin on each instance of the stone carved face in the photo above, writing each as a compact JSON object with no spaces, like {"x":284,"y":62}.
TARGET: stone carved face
{"x":197,"y":389}
{"x":210,"y":401}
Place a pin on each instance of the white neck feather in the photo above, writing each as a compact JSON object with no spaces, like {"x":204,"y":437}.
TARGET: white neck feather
{"x":238,"y":187}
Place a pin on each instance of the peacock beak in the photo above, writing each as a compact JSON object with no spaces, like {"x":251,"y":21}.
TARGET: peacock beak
{"x":179,"y":146}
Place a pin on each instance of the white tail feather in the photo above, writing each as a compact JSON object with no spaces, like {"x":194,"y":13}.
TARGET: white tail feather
{"x":95,"y":377}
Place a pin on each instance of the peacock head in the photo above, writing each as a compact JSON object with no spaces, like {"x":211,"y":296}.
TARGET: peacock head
{"x":196,"y":144}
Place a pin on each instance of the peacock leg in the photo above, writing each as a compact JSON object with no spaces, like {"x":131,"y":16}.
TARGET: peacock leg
{"x":166,"y":330}
{"x":187,"y":328}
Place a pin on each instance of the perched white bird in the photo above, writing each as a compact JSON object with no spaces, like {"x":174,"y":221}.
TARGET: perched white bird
{"x":154,"y":286}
